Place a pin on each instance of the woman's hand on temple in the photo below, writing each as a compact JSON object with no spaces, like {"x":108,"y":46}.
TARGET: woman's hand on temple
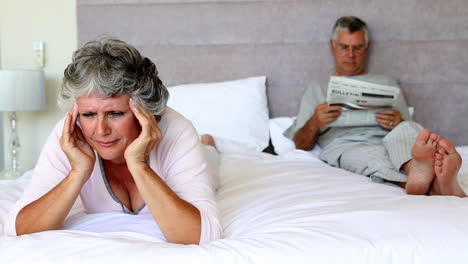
{"x":138,"y":151}
{"x":79,"y":153}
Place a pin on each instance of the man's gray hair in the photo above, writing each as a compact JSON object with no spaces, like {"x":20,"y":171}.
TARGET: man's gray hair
{"x":350,"y":24}
{"x":111,"y":67}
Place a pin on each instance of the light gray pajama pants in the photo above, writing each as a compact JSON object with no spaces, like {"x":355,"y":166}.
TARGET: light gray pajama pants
{"x":382,"y":162}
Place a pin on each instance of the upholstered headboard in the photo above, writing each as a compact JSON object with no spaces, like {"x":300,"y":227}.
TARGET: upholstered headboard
{"x":423,"y":43}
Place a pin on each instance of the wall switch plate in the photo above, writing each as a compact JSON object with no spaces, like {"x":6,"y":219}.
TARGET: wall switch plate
{"x":38,"y":47}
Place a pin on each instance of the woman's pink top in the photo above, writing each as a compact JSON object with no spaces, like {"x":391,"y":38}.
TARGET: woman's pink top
{"x":177,"y":159}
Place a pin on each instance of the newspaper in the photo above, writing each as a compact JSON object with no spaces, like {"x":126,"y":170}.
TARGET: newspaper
{"x":360,"y":100}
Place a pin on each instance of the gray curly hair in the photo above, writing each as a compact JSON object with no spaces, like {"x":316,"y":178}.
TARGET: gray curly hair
{"x":351,"y":24}
{"x":111,"y":67}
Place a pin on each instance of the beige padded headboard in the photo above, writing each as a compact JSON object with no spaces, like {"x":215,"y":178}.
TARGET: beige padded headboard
{"x":423,"y":43}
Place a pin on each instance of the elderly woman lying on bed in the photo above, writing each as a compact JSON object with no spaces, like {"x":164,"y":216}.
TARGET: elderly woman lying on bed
{"x":121,"y":150}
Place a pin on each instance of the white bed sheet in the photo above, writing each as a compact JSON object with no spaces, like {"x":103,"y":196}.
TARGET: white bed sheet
{"x":287,"y":209}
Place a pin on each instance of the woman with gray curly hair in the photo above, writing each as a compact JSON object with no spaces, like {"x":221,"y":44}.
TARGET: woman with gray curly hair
{"x":121,"y":150}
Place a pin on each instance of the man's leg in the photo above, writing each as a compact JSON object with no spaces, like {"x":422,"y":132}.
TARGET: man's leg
{"x":412,"y":149}
{"x":447,"y":165}
{"x":425,"y":164}
{"x":399,"y":142}
{"x":370,"y":160}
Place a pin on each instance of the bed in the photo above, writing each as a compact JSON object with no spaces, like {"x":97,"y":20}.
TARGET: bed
{"x":290,"y":207}
{"x":275,"y":209}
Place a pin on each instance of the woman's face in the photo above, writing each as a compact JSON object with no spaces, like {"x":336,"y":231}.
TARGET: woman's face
{"x":108,"y":124}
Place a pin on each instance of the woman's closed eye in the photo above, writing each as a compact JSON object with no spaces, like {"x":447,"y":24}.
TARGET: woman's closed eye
{"x":112,"y":114}
{"x":88,"y":114}
{"x":116,"y":114}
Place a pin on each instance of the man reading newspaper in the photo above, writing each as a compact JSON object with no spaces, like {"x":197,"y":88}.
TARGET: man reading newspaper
{"x":374,"y":136}
{"x":360,"y":100}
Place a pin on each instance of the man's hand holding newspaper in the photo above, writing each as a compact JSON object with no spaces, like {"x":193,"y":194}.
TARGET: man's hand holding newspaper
{"x":360,"y":100}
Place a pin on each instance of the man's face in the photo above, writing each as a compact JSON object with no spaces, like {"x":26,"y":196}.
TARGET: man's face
{"x":350,"y":53}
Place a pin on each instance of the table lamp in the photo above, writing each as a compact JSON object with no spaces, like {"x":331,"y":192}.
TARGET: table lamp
{"x":20,"y":90}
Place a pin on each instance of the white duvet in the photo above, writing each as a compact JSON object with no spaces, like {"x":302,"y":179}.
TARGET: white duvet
{"x":287,"y":209}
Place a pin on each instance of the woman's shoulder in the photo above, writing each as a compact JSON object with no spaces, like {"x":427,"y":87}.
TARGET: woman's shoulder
{"x":177,"y":131}
{"x":172,"y":121}
{"x":170,"y":116}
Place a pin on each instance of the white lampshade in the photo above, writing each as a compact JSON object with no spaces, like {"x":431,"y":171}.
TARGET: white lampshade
{"x":22,"y":90}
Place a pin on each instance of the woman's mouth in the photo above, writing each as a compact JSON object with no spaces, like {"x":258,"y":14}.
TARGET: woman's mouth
{"x":107,"y":144}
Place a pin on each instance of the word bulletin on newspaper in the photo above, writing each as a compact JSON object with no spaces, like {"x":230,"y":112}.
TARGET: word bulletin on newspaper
{"x":360,"y":100}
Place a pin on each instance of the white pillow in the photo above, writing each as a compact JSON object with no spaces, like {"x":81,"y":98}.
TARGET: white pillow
{"x":282,"y":144}
{"x":231,"y":110}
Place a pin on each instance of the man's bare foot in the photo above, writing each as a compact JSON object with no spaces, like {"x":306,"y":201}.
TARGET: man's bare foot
{"x":420,"y":168}
{"x":447,"y":164}
{"x":208,"y":140}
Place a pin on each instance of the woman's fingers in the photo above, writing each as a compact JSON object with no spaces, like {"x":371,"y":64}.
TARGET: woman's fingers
{"x":146,"y":119}
{"x":136,"y":110}
{"x":150,"y":134}
{"x":74,"y":118}
{"x":140,"y":116}
{"x":66,"y":128}
{"x":79,"y":134}
{"x":68,"y":132}
{"x":71,"y":132}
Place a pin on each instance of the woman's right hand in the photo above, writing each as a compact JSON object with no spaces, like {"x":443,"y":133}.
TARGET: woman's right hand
{"x":73,"y":143}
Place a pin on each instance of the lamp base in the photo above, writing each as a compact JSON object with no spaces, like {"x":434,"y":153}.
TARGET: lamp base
{"x":10,"y":174}
{"x":14,"y":171}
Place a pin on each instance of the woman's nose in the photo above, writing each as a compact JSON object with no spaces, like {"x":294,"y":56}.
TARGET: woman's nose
{"x":103,"y":128}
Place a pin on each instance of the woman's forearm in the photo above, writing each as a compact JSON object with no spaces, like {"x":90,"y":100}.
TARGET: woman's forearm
{"x":179,"y":220}
{"x":49,"y":211}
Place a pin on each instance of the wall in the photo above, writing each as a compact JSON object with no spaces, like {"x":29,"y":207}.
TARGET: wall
{"x":21,"y":23}
{"x":2,"y":166}
{"x":287,"y":40}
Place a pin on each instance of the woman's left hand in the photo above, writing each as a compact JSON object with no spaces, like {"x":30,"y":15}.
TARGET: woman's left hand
{"x":389,"y":118}
{"x":138,"y":151}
